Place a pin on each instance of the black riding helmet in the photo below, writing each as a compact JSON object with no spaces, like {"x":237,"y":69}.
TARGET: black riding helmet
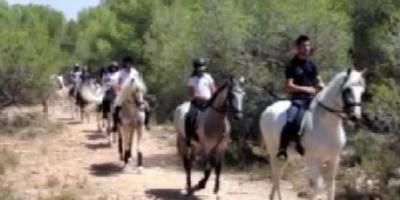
{"x":200,"y":63}
{"x":113,"y":67}
{"x":76,"y":67}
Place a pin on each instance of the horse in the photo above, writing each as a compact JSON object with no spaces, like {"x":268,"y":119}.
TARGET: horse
{"x":213,"y":131}
{"x":57,"y":95}
{"x":323,"y":136}
{"x":132,"y":117}
{"x":90,"y":97}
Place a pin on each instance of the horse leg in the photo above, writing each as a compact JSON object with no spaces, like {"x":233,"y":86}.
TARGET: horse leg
{"x":203,"y":182}
{"x":276,"y":168}
{"x":187,"y":163}
{"x":120,"y":146}
{"x":332,"y":167}
{"x":218,"y":168}
{"x":138,"y":146}
{"x":315,"y":177}
{"x":127,"y":142}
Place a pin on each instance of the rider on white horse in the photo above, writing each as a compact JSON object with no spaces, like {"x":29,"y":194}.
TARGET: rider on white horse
{"x":302,"y":82}
{"x":110,"y":79}
{"x":127,"y":71}
{"x":201,"y":88}
{"x":75,"y":77}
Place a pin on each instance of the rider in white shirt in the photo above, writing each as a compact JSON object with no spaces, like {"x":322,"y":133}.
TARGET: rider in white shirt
{"x":124,"y":73}
{"x":110,"y":82}
{"x":75,"y":77}
{"x":201,"y":88}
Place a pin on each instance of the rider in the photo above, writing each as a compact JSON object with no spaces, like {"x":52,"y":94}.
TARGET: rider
{"x":110,"y":82}
{"x":201,"y":88}
{"x":125,"y":72}
{"x":75,"y":77}
{"x":75,"y":74}
{"x":111,"y":76}
{"x":302,"y":82}
{"x":86,"y":73}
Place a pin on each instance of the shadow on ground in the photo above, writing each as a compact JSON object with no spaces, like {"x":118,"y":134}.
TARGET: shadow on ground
{"x":102,"y":145}
{"x":168,"y":194}
{"x":106,"y":169}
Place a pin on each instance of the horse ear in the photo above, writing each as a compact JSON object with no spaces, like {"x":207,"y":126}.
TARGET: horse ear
{"x":348,"y":71}
{"x":242,"y":79}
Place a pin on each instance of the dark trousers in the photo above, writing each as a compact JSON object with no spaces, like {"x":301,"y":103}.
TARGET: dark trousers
{"x":295,"y":115}
{"x":196,"y":106}
{"x":108,"y":99}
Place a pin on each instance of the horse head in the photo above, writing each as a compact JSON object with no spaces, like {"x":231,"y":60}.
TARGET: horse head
{"x":235,"y":97}
{"x":352,"y":89}
{"x":137,"y":89}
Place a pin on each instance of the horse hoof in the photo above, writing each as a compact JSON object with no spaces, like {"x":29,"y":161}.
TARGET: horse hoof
{"x":188,"y":192}
{"x":139,"y":170}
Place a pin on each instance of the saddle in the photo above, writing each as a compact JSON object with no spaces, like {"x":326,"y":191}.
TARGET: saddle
{"x":197,"y":106}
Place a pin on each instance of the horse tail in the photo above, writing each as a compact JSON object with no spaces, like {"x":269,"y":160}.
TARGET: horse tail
{"x":90,"y":95}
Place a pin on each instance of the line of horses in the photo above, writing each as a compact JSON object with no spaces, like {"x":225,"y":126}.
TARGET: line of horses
{"x":323,"y":136}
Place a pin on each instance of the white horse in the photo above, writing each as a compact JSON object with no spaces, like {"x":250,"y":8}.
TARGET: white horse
{"x":323,"y":136}
{"x":90,"y":98}
{"x":57,"y":96}
{"x":132,"y":117}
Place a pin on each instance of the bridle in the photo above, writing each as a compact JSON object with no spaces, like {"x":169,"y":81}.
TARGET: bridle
{"x":228,"y":105}
{"x":345,"y":98}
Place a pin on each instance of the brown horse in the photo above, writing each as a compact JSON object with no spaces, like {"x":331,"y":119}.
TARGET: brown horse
{"x":213,"y":132}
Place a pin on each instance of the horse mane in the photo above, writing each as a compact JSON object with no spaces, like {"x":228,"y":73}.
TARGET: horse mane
{"x":129,"y":87}
{"x":90,"y":94}
{"x":215,"y":95}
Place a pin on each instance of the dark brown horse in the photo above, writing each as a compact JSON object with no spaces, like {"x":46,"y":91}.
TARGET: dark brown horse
{"x":213,"y":132}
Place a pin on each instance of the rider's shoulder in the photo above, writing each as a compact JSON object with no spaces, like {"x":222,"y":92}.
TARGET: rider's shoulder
{"x":208,"y":76}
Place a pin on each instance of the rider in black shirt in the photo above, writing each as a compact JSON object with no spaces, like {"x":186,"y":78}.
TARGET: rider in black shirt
{"x":302,"y":82}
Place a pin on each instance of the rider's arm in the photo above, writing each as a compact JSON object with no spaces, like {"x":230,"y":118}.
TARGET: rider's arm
{"x":191,"y":88}
{"x":212,"y":85}
{"x":293,"y":88}
{"x":191,"y":92}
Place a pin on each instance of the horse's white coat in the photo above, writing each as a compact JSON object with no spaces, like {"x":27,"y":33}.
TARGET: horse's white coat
{"x":132,"y":115}
{"x":324,"y":136}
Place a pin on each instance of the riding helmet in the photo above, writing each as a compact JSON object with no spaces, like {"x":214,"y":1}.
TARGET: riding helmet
{"x":200,"y":63}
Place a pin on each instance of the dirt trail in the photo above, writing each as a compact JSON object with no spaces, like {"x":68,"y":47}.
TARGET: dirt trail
{"x":80,"y":162}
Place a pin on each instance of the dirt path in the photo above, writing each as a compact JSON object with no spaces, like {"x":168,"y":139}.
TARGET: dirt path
{"x":79,"y":162}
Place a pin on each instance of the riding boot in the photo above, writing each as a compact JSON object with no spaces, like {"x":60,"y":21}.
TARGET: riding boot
{"x":116,"y":119}
{"x":299,"y":147}
{"x":188,"y":129}
{"x":284,"y":142}
{"x":147,"y":113}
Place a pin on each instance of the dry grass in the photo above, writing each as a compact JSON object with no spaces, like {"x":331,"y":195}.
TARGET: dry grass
{"x":28,"y":125}
{"x":7,"y":159}
{"x":65,"y":194}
